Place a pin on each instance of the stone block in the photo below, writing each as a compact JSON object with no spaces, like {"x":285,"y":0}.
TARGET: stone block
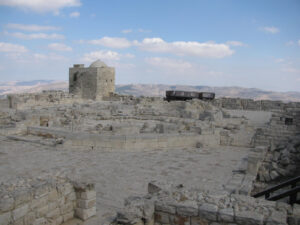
{"x":52,"y":205}
{"x":68,"y":216}
{"x":39,"y":202}
{"x":5,"y":218}
{"x":40,"y":221}
{"x":161,"y":217}
{"x":29,"y":218}
{"x":68,"y":188}
{"x":148,"y":210}
{"x":180,"y":220}
{"x":86,"y":204}
{"x":42,"y":211}
{"x":164,"y":207}
{"x":187,"y":209}
{"x":199,"y":221}
{"x":226,"y":215}
{"x":277,"y":218}
{"x":53,"y":214}
{"x":6,"y":204}
{"x":91,"y":194}
{"x":68,"y":207}
{"x":19,"y":222}
{"x":208,"y":211}
{"x":84,"y":214}
{"x":249,"y":218}
{"x":71,"y":196}
{"x":59,"y":220}
{"x":53,"y":195}
{"x":20,"y":212}
{"x":296,"y":209}
{"x":22,"y":197}
{"x":41,"y":191}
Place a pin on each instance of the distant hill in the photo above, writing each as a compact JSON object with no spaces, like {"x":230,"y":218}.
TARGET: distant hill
{"x":151,"y":90}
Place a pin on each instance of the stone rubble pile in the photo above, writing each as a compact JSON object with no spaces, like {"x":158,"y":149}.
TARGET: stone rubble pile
{"x":281,"y":161}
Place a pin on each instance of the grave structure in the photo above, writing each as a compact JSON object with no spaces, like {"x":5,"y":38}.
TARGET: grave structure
{"x":93,"y":82}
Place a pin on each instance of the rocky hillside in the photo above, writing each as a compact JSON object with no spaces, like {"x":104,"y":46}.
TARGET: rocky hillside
{"x":152,"y":90}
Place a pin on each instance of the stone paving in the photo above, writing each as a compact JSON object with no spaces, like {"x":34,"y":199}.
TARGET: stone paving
{"x":120,"y":174}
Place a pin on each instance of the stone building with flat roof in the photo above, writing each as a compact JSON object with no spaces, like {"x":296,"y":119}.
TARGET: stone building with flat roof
{"x":93,"y":82}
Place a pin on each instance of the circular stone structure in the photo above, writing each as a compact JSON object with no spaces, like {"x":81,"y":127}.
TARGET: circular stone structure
{"x":98,"y":63}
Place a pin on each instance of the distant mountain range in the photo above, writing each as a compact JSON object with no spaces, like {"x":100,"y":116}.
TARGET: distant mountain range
{"x":151,"y":90}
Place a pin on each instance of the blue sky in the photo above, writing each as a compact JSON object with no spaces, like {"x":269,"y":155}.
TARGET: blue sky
{"x":216,"y":42}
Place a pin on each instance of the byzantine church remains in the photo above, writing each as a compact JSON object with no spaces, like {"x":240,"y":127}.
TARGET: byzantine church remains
{"x":93,"y":156}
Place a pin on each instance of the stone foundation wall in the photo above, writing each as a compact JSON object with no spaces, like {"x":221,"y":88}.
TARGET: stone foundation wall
{"x":4,"y":103}
{"x":119,"y":142}
{"x":183,"y":207}
{"x":50,"y":201}
{"x":46,"y":98}
{"x":250,"y":104}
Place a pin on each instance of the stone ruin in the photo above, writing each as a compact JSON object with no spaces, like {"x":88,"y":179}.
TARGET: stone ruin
{"x":93,"y":82}
{"x":69,"y":159}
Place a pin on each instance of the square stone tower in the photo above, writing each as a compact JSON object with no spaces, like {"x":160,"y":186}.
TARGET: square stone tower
{"x":93,"y":82}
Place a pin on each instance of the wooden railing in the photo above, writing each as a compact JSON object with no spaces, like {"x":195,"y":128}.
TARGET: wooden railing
{"x":291,"y":193}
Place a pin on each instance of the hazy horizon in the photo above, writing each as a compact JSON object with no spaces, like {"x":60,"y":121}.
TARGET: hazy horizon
{"x":249,"y":44}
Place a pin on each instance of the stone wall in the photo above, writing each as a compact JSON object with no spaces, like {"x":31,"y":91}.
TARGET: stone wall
{"x":4,"y":103}
{"x":281,"y":136}
{"x":282,"y":160}
{"x":46,"y":98}
{"x":250,"y":104}
{"x":45,"y":201}
{"x":178,"y":206}
{"x":119,"y":142}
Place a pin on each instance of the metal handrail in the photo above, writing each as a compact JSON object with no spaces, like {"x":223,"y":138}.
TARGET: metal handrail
{"x":286,"y":183}
{"x":292,"y":193}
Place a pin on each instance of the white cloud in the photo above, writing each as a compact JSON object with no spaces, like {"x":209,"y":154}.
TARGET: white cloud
{"x":205,"y":50}
{"x":280,"y":60}
{"x":39,"y":56}
{"x":290,"y":69}
{"x":235,"y":43}
{"x":59,"y":47}
{"x":48,"y":57}
{"x":103,"y":55}
{"x":271,"y":30}
{"x":74,"y":14}
{"x":41,"y":5}
{"x":289,"y":43}
{"x":30,"y":27}
{"x":168,"y":64}
{"x":299,"y":42}
{"x":144,"y":31}
{"x":128,"y":55}
{"x":35,"y":35}
{"x":8,"y":47}
{"x":112,"y":42}
{"x":126,"y":31}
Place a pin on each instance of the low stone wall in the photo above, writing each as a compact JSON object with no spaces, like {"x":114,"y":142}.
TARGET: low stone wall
{"x":49,"y":201}
{"x":119,"y":142}
{"x":4,"y":103}
{"x":45,"y":98}
{"x":186,"y":207}
{"x":250,"y":104}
